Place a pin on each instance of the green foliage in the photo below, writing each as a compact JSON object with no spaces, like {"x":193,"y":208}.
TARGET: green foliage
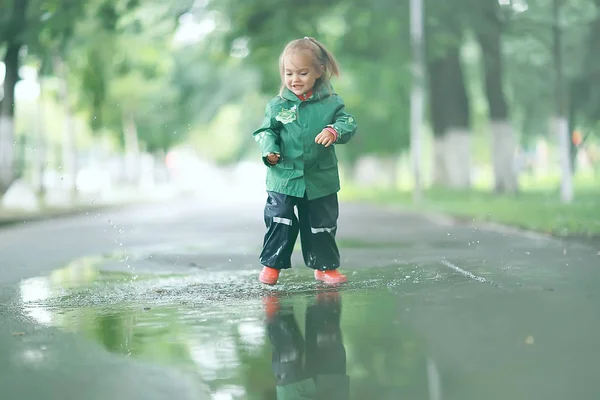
{"x":530,"y":62}
{"x":127,"y":68}
{"x":122,"y":58}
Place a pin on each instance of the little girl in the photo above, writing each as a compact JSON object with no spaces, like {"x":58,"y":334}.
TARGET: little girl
{"x":300,"y":127}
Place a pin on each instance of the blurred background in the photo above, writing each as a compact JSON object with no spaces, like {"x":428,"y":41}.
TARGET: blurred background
{"x":485,"y":109}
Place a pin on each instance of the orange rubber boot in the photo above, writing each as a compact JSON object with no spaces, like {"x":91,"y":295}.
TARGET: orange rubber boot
{"x":333,"y":276}
{"x":269,"y":276}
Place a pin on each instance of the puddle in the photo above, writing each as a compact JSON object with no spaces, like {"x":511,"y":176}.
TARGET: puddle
{"x":399,"y":331}
{"x":245,"y":343}
{"x":402,"y":330}
{"x":233,"y":333}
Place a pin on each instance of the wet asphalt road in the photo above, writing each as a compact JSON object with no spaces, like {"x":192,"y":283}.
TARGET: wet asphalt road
{"x":161,"y":302}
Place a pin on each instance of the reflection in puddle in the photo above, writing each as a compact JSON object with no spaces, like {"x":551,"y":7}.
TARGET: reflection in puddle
{"x":252,"y":343}
{"x":312,"y":365}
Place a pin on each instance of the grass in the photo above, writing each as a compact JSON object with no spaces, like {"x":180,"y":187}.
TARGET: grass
{"x":537,"y":207}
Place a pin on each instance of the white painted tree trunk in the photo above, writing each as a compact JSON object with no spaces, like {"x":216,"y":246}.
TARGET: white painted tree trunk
{"x":458,"y":158}
{"x":440,"y":175}
{"x":561,"y":129}
{"x":39,"y":151}
{"x":417,"y":95}
{"x":503,"y":156}
{"x":69,"y":158}
{"x":132,"y":148}
{"x":7,"y":152}
{"x":393,"y":163}
{"x":68,"y":153}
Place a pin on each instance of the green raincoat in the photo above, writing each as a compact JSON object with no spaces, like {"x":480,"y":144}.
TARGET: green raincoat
{"x":289,"y":129}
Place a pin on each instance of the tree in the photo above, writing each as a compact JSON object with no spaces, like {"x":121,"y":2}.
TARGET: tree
{"x":449,"y":107}
{"x":489,"y":28}
{"x":14,"y":30}
{"x":536,"y":45}
{"x":33,"y":25}
{"x":376,"y":53}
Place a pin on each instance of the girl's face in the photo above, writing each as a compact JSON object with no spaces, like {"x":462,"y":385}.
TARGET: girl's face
{"x":300,"y":73}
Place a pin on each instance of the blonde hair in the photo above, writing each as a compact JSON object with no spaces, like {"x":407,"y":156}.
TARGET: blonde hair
{"x":323,"y":59}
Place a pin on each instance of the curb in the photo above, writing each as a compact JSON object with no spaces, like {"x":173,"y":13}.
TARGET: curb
{"x":57,"y":213}
{"x":449,"y":220}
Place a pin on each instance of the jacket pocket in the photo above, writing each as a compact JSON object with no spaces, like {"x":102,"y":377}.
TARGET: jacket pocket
{"x":328,"y":161}
{"x":285,"y":165}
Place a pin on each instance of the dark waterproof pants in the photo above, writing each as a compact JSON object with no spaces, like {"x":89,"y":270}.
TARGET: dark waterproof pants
{"x":317,"y":224}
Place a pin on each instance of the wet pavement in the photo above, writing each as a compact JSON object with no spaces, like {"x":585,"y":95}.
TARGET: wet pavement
{"x":162,"y":301}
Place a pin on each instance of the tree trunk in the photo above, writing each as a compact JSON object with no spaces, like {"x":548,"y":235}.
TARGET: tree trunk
{"x":69,"y":156}
{"x":503,"y":133}
{"x":436,"y":90}
{"x":7,"y":112}
{"x":561,"y":123}
{"x":15,"y":29}
{"x":417,"y":94}
{"x":573,"y":147}
{"x":457,"y":123}
{"x":395,"y":163}
{"x":39,"y":153}
{"x":132,"y":148}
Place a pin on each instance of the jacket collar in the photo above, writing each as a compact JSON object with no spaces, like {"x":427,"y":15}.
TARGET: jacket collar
{"x":319,"y":92}
{"x":305,"y":96}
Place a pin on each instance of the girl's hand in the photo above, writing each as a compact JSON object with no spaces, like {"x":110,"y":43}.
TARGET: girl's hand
{"x":326,"y":138}
{"x":273,"y":158}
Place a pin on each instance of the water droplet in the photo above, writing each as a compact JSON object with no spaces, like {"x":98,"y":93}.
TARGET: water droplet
{"x":529,"y":340}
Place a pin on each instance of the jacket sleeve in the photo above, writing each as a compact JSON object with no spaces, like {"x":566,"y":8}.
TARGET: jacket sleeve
{"x":344,"y":123}
{"x":267,"y":136}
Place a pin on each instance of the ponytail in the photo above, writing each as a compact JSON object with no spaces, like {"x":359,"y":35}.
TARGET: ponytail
{"x":326,"y":58}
